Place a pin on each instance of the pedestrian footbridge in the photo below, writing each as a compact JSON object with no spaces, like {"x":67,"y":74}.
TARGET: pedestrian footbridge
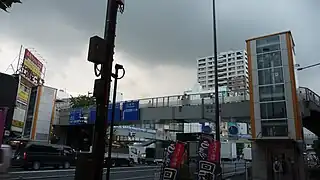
{"x":200,"y":108}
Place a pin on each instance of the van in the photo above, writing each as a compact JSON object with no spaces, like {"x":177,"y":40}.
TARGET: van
{"x":35,"y":155}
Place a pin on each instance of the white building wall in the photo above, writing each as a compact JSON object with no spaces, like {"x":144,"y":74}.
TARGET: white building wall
{"x":45,"y":112}
{"x":232,"y":70}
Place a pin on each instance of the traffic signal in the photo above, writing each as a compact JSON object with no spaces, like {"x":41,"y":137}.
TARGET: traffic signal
{"x":4,"y":4}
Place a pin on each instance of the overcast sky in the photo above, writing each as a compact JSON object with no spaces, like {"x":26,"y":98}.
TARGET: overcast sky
{"x":158,"y":41}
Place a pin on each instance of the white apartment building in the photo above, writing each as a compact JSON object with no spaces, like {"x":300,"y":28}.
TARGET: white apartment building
{"x":232,"y":71}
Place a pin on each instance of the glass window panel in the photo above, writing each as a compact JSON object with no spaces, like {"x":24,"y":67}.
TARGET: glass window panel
{"x":268,"y":40}
{"x":272,"y":93}
{"x":273,"y":110}
{"x":274,"y":131}
{"x":269,"y":60}
{"x":270,"y":76}
{"x":268,"y":48}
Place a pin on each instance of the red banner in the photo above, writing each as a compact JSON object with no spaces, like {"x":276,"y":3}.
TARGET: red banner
{"x":214,"y":151}
{"x":173,"y":160}
{"x":177,"y":156}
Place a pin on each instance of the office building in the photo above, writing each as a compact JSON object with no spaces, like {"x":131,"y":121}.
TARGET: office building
{"x":232,"y":71}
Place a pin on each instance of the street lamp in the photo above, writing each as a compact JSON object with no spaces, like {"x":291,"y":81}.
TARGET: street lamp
{"x":307,"y":67}
{"x":216,"y":86}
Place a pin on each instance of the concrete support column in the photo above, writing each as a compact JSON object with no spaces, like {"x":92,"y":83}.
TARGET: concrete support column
{"x":288,"y":152}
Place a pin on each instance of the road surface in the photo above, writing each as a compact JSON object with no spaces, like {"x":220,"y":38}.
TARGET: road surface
{"x":117,"y":173}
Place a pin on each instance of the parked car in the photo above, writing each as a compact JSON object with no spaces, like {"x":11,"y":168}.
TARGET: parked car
{"x":35,"y":155}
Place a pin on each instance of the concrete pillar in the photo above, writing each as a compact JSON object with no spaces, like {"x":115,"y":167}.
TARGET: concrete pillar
{"x":286,"y":151}
{"x":259,"y":170}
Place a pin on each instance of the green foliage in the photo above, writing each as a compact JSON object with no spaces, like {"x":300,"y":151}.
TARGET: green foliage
{"x":82,"y":101}
{"x":4,"y":4}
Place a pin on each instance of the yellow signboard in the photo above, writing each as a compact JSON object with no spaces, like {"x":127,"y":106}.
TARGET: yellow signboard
{"x":23,"y":93}
{"x":18,"y":124}
{"x":32,"y":63}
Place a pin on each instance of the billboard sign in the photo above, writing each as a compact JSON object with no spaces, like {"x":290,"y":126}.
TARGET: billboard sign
{"x":32,"y":63}
{"x":233,"y":129}
{"x":18,"y":119}
{"x":117,"y":115}
{"x":243,"y":128}
{"x":130,"y":111}
{"x":75,"y":116}
{"x":23,"y":94}
{"x":32,"y":68}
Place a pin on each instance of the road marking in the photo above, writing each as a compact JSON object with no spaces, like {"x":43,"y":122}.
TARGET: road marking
{"x":129,"y":178}
{"x":73,"y":170}
{"x":116,"y":172}
{"x":72,"y":175}
{"x":138,"y":177}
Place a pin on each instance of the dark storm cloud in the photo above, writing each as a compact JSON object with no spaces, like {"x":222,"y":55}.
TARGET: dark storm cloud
{"x":165,"y":31}
{"x":180,"y":31}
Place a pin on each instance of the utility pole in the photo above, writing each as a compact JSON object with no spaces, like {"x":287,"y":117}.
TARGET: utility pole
{"x":216,"y":86}
{"x":101,"y":53}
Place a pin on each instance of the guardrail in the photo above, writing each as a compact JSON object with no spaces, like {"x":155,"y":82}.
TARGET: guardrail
{"x":195,"y":99}
{"x":309,"y":95}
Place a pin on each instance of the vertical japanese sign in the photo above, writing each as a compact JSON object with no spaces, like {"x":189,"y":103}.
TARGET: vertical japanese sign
{"x":209,"y":155}
{"x":172,"y":160}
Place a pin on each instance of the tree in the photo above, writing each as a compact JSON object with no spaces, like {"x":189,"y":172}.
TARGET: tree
{"x":5,"y":4}
{"x":82,"y":101}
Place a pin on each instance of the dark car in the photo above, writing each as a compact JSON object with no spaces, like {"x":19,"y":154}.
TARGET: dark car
{"x":35,"y":155}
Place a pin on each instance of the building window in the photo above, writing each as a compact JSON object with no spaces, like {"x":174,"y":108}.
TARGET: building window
{"x":269,"y":60}
{"x":268,"y":40}
{"x":274,"y":128}
{"x":270,"y":76}
{"x":272,"y":93}
{"x":240,"y":67}
{"x":269,"y":48}
{"x":202,"y":64}
{"x":273,"y":110}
